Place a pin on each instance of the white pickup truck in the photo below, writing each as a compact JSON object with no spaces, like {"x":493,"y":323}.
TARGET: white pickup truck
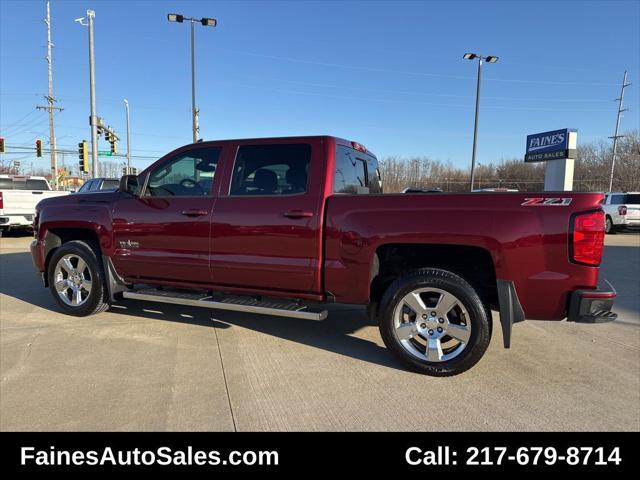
{"x":19,"y":195}
{"x":622,"y":210}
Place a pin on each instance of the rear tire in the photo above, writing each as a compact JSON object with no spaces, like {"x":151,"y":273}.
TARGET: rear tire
{"x":609,"y":227}
{"x":77,"y":280}
{"x":434,"y":322}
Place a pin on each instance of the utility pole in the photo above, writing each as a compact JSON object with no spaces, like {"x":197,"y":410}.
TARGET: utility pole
{"x":615,"y":137}
{"x":51,"y":103}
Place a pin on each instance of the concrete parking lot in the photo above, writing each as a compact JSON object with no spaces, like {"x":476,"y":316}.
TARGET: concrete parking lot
{"x":143,"y":366}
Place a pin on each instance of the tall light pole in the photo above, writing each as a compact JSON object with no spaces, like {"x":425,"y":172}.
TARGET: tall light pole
{"x":481,"y":60}
{"x":126,"y":107}
{"x":93,"y":119}
{"x":207,"y":22}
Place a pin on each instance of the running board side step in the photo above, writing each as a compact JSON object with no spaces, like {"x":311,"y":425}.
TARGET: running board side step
{"x":234,"y":303}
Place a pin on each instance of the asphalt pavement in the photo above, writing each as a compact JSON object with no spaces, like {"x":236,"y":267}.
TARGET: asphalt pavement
{"x":145,"y":366}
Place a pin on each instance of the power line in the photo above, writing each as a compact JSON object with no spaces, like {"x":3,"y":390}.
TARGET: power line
{"x":404,"y":102}
{"x":406,"y":72}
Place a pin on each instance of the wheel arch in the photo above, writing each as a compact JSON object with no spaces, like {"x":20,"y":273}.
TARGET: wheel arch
{"x":473,"y":263}
{"x":56,"y":237}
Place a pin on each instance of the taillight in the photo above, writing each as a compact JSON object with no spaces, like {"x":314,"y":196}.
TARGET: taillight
{"x":622,"y":210}
{"x":1,"y":201}
{"x":587,"y":238}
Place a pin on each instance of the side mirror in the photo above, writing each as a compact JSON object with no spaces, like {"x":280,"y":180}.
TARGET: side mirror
{"x":130,"y":185}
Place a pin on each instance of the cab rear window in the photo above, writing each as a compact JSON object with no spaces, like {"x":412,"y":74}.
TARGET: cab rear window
{"x":9,"y":184}
{"x":356,"y":172}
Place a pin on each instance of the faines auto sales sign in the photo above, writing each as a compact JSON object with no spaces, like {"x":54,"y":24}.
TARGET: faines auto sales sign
{"x":554,"y":145}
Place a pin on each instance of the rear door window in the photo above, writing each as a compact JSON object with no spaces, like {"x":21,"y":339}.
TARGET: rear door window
{"x":617,"y":199}
{"x":633,"y":198}
{"x":271,"y":170}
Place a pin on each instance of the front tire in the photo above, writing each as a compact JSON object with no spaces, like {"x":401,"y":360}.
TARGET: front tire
{"x":76,"y":279}
{"x":434,"y":322}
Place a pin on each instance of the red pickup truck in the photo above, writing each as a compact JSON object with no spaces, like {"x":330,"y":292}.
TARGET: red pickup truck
{"x":283,"y":226}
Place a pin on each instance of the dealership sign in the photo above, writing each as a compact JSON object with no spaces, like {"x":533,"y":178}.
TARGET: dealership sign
{"x":554,"y":145}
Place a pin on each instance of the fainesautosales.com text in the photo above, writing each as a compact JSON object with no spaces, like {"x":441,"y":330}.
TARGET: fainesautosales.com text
{"x":160,"y":456}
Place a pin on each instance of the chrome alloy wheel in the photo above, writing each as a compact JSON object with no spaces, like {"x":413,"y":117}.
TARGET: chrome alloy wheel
{"x":72,"y":280}
{"x":432,"y":324}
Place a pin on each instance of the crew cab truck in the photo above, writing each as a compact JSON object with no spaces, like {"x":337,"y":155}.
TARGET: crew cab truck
{"x":283,"y":226}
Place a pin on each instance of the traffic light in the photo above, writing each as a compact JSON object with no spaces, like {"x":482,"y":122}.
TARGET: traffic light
{"x":134,"y":171}
{"x":114,"y":147}
{"x":38,"y":148}
{"x":83,"y":155}
{"x":1,"y":144}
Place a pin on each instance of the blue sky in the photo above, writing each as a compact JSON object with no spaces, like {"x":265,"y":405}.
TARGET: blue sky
{"x":387,"y":74}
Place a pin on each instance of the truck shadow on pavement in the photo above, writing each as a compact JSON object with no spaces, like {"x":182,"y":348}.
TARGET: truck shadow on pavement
{"x":18,"y":280}
{"x":334,"y":334}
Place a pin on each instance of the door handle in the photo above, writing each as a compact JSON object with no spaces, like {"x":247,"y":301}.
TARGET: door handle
{"x":194,"y":213}
{"x":298,"y":214}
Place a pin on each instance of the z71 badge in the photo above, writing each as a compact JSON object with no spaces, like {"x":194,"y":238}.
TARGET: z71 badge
{"x":544,"y":202}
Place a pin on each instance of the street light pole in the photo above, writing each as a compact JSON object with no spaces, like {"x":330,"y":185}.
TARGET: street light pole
{"x":481,"y":59}
{"x":207,"y":22}
{"x":126,"y":107}
{"x":475,"y":125}
{"x":194,"y":111}
{"x":92,"y":90}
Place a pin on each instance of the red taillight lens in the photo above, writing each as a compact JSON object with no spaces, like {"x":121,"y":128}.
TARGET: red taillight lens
{"x":588,"y":238}
{"x":622,"y":210}
{"x":1,"y":201}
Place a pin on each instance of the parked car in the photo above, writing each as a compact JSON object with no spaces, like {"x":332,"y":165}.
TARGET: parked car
{"x":283,"y":226}
{"x":622,"y":211}
{"x":421,"y":190}
{"x":19,"y":195}
{"x":496,"y":189}
{"x":98,"y":184}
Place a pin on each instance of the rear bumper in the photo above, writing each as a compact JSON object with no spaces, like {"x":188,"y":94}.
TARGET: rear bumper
{"x":629,"y":223}
{"x":592,"y":306}
{"x":16,"y":221}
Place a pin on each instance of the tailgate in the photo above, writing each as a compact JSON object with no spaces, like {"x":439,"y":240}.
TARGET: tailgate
{"x":20,"y":202}
{"x":633,"y":212}
{"x":23,"y":202}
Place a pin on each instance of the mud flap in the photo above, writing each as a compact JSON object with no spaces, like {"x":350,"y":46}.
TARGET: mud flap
{"x":510,"y":309}
{"x":115,"y":283}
